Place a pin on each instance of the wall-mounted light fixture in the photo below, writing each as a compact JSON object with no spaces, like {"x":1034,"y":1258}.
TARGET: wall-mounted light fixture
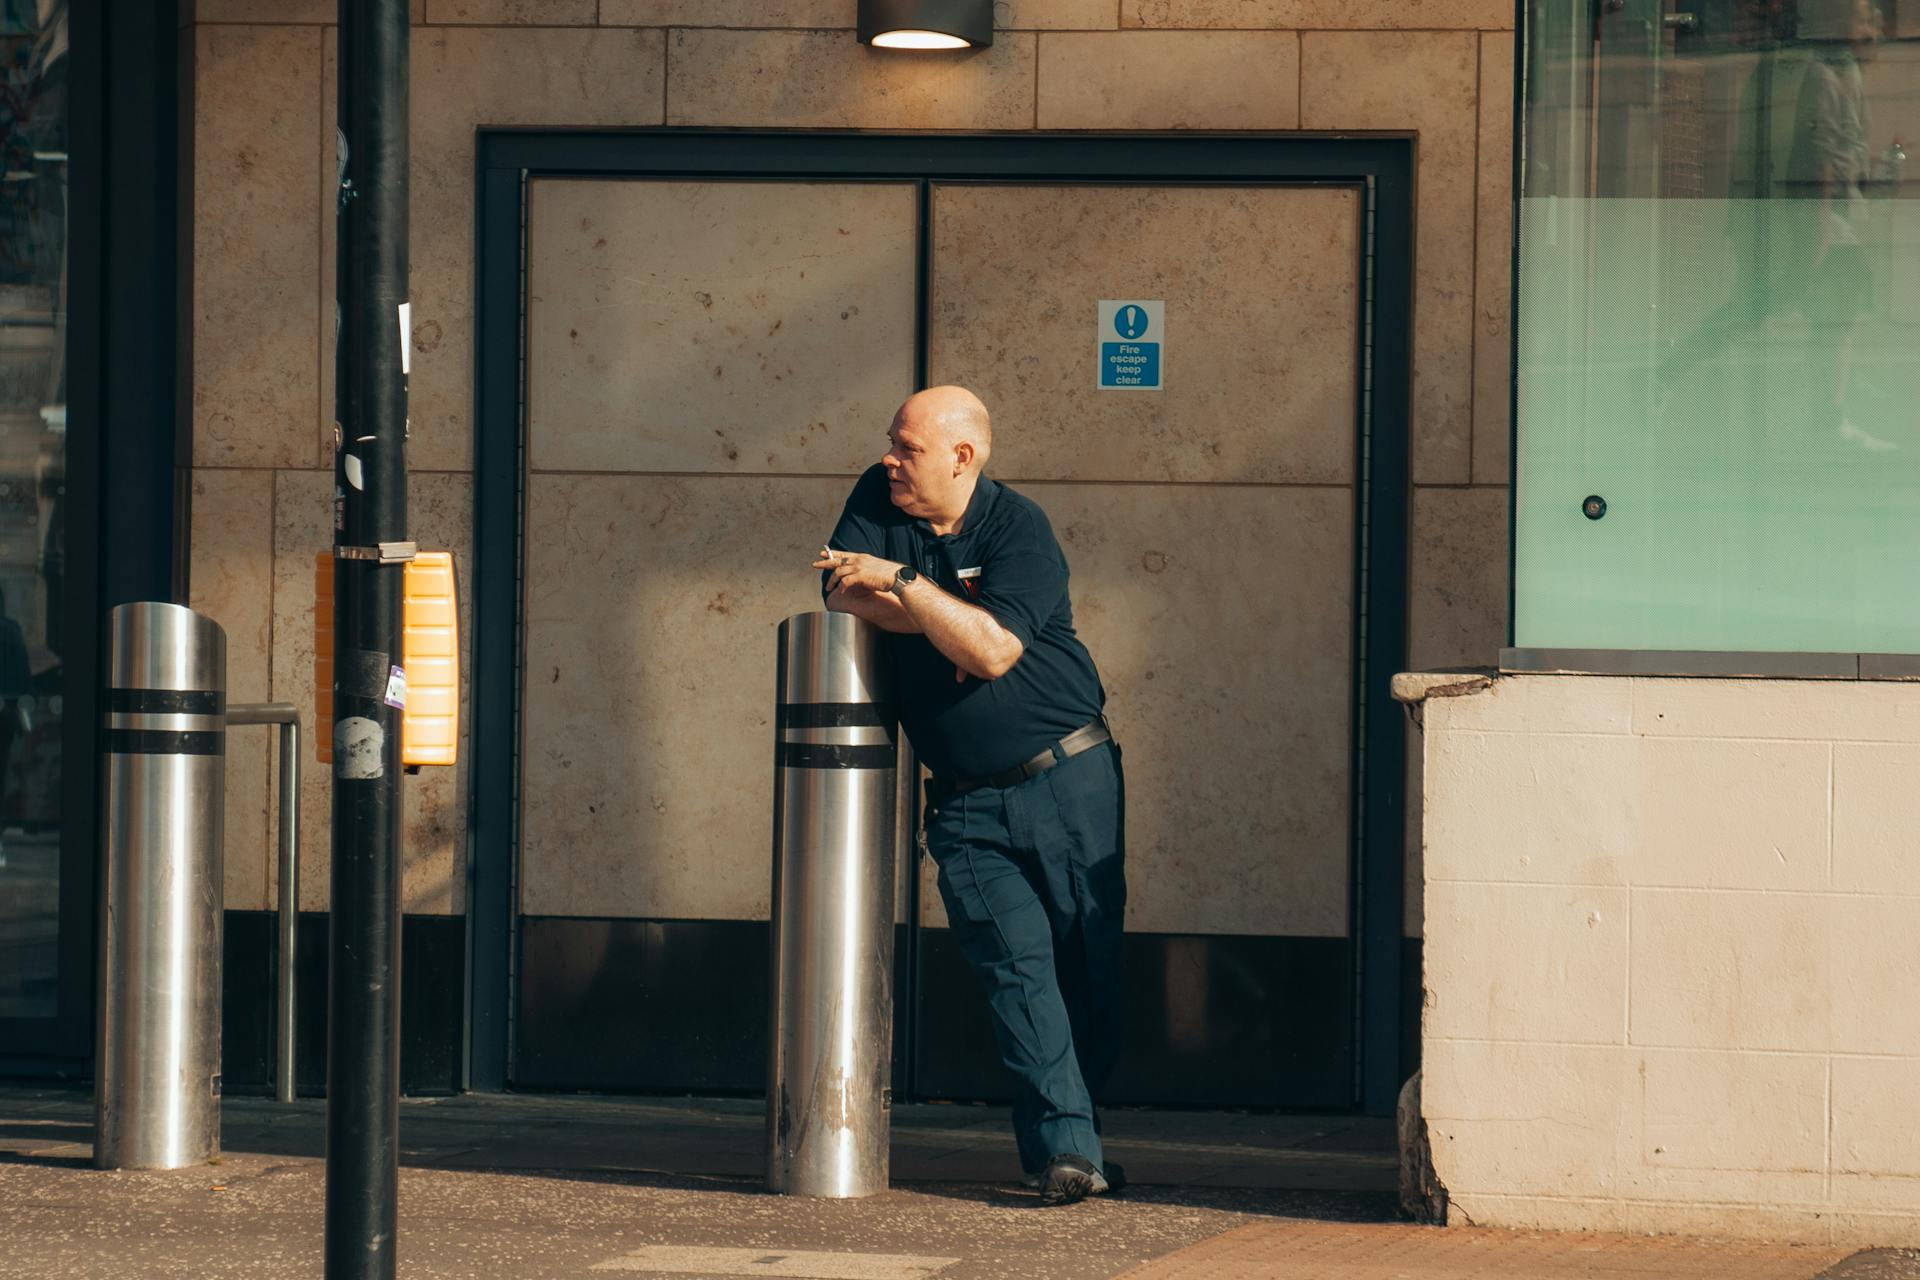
{"x":926,"y":24}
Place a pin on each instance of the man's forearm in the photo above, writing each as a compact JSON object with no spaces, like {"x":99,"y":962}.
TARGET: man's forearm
{"x":870,"y":587}
{"x":968,"y":635}
{"x":882,"y":610}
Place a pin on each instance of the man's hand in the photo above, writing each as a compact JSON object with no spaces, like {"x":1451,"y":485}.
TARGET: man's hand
{"x":856,"y":574}
{"x":877,"y":605}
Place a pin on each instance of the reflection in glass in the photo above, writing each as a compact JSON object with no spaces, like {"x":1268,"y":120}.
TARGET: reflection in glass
{"x":1717,"y":326}
{"x":33,"y":423}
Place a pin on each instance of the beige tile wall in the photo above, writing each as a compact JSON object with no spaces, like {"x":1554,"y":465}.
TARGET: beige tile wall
{"x":233,"y":583}
{"x":650,"y":687}
{"x":752,"y":327}
{"x":1015,"y":269}
{"x":707,"y":362}
{"x":1237,"y":791}
{"x":1237,"y":821}
{"x":1670,"y":959}
{"x":263,"y":70}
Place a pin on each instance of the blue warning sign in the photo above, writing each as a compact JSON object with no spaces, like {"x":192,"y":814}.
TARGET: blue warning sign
{"x":1129,"y":340}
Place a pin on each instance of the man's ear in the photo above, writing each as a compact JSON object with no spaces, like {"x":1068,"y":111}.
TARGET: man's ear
{"x":962,"y":457}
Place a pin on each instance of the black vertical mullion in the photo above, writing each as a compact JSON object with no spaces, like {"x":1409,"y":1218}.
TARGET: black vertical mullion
{"x":907,"y":1005}
{"x":1363,"y":495}
{"x":1517,"y":179}
{"x":923,"y":287}
{"x":73,"y":1030}
{"x":492,"y":787}
{"x":145,"y":476}
{"x":1383,"y":846}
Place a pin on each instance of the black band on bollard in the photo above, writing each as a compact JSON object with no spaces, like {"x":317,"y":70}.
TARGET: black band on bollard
{"x":837,"y":715}
{"x":835,"y":755}
{"x":167,"y":702}
{"x":165,"y":742}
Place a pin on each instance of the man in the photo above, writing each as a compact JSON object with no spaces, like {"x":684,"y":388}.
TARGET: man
{"x":1831,"y":163}
{"x":1003,"y":705}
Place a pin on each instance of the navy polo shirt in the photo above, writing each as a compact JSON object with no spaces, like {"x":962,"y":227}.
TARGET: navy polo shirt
{"x":1006,"y":560}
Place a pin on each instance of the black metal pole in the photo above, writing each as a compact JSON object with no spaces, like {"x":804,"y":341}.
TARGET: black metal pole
{"x":370,"y":549}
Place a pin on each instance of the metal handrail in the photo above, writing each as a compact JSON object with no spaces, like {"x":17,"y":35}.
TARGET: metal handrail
{"x":287,"y":717}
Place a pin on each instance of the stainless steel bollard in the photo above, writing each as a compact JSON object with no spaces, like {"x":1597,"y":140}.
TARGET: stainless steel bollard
{"x":157,"y":1083}
{"x":829,"y":1093}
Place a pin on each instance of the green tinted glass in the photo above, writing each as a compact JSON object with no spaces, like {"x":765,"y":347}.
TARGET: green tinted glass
{"x":1718,"y":327}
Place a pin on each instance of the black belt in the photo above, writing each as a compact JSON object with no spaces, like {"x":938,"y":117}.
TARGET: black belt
{"x":1085,"y":738}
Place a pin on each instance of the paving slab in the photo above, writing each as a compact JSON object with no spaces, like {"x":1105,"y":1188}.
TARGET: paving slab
{"x":1279,"y":1250}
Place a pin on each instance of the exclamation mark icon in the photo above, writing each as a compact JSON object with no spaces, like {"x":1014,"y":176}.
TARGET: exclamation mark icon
{"x":1131,"y":326}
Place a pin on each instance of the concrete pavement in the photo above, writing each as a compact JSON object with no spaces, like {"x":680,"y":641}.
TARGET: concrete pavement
{"x":523,"y":1187}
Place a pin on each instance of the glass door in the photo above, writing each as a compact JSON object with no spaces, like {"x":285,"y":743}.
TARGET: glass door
{"x":42,"y":970}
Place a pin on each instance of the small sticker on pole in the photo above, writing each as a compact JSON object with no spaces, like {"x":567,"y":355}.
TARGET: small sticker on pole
{"x":358,"y":747}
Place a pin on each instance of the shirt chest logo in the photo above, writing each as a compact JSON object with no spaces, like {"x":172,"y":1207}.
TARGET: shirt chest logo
{"x":970,"y":580}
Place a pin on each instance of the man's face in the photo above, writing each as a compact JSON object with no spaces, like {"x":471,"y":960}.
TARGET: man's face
{"x":920,"y":466}
{"x":1866,"y":22}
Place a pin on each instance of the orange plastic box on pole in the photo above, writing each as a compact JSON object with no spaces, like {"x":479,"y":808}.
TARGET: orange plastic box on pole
{"x":430,"y":656}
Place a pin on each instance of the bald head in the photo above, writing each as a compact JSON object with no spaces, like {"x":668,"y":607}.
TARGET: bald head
{"x":936,"y":448}
{"x":955,"y":416}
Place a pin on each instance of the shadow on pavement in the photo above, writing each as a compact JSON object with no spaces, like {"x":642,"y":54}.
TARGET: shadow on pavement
{"x":45,"y":1132}
{"x":1326,"y":1168}
{"x":47,"y":1162}
{"x":1322,"y":1206}
{"x":1319,"y":1206}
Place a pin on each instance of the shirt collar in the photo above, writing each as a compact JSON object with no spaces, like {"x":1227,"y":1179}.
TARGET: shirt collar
{"x":984,"y":493}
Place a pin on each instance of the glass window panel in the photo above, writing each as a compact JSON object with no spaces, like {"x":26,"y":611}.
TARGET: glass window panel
{"x":33,"y":422}
{"x":1718,"y":326}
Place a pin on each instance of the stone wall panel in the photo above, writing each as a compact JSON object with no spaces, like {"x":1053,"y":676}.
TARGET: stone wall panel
{"x":256,"y":245}
{"x":1332,"y":15}
{"x":232,"y":583}
{"x":1426,"y":83}
{"x":829,"y":80}
{"x":718,"y":326}
{"x":1170,"y":80}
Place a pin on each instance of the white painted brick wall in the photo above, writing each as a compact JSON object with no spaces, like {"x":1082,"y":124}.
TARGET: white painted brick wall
{"x":1672,"y":962}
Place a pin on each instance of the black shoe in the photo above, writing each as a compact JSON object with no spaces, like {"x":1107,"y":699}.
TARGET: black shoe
{"x":1070,"y":1178}
{"x":1116,"y":1179}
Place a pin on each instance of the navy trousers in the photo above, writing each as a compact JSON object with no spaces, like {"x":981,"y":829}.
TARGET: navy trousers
{"x":1034,"y":880}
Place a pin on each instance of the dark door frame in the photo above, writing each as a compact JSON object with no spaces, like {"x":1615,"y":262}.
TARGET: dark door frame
{"x":1380,"y":166}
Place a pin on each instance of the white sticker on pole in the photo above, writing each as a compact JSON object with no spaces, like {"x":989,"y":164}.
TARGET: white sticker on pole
{"x":406,"y":339}
{"x":1129,"y":342}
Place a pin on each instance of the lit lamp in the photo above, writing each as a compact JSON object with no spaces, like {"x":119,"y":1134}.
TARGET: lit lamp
{"x":926,"y":24}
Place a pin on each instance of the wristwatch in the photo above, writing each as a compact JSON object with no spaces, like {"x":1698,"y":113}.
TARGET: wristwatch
{"x":905,"y":574}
